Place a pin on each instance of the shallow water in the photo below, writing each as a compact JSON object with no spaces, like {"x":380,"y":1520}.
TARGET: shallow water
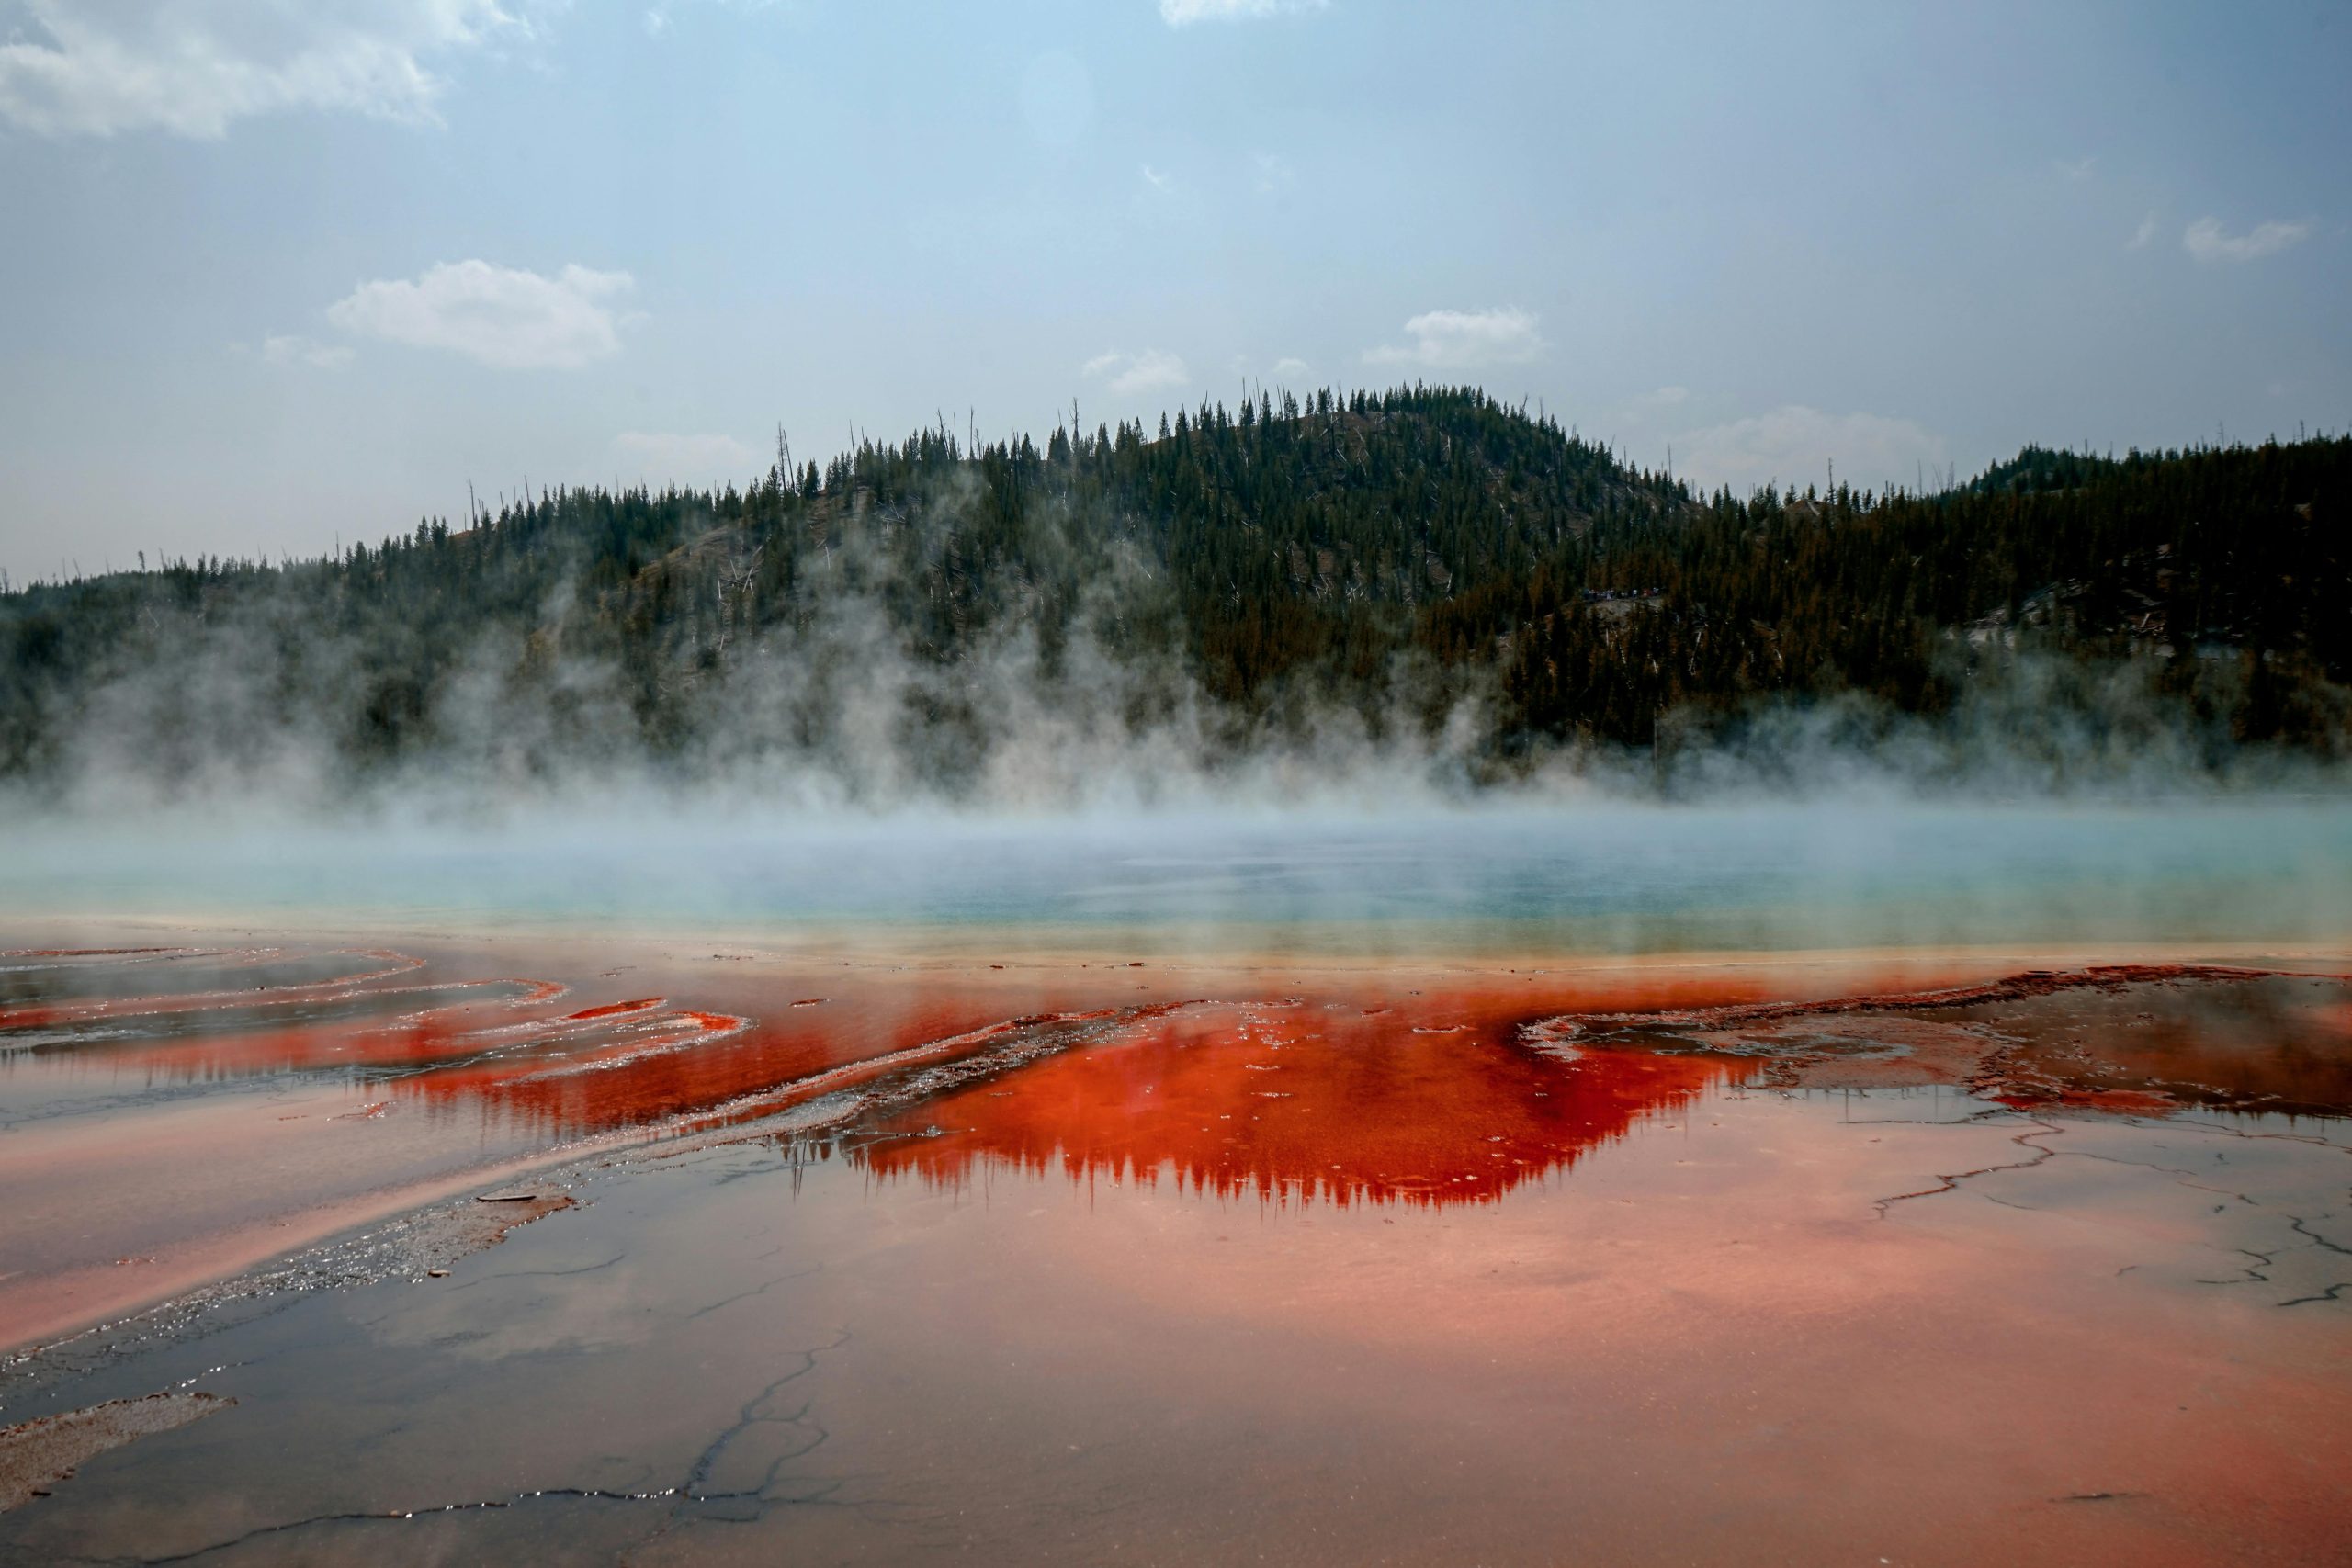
{"x":1693,"y":1334}
{"x":302,"y":1090}
{"x":1448,"y":1230}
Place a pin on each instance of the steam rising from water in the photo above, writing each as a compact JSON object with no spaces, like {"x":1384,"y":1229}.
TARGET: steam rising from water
{"x":2057,"y":806}
{"x":901,"y":668}
{"x":1596,"y":877}
{"x":835,"y":764}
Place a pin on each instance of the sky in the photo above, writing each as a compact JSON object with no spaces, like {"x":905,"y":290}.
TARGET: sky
{"x":280,"y":273}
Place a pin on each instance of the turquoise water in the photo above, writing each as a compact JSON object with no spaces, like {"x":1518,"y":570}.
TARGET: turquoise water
{"x":1608,"y":879}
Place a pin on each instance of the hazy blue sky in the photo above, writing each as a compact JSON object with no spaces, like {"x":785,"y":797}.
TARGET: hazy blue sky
{"x":273,"y":271}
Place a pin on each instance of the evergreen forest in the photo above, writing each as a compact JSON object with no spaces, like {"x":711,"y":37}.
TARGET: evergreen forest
{"x":1423,"y":566}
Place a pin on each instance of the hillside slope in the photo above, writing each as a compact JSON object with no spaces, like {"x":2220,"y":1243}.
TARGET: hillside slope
{"x":910,"y":616}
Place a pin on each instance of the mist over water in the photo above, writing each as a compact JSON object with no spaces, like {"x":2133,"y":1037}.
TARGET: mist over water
{"x":1591,"y":877}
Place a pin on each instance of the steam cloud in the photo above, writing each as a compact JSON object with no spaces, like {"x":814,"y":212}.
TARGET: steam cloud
{"x":835,"y":699}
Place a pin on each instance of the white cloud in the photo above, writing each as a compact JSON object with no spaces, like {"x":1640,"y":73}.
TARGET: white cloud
{"x":1184,"y":13}
{"x":1271,"y":175}
{"x":1464,"y":339}
{"x":2077,"y":170}
{"x":1147,"y":372}
{"x":1795,"y":445}
{"x":2142,"y":234}
{"x":194,"y":67}
{"x":697,"y":457}
{"x":501,"y":316}
{"x":296,"y":349}
{"x":2208,"y":242}
{"x":1291,"y":369}
{"x":1157,"y":180}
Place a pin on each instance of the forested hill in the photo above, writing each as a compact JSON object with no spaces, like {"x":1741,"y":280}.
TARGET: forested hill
{"x":913,"y":615}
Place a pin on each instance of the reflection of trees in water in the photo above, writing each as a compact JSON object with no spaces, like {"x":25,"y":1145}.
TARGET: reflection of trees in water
{"x":1304,"y":1104}
{"x":1406,"y":1099}
{"x":1413,"y":1107}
